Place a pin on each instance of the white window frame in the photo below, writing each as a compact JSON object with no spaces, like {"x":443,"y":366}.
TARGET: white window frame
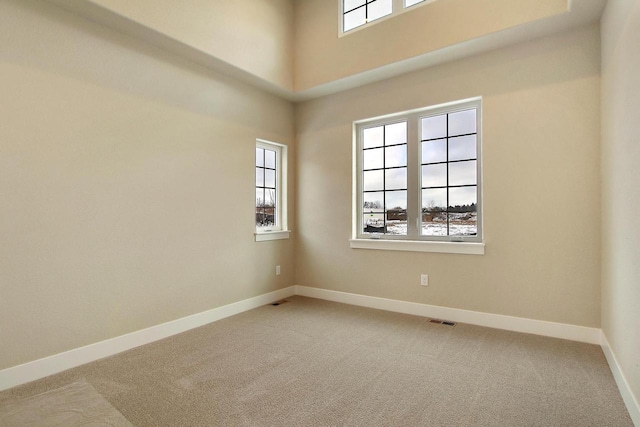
{"x":280,"y":229}
{"x":414,"y":241}
{"x":404,"y":5}
{"x":398,"y":7}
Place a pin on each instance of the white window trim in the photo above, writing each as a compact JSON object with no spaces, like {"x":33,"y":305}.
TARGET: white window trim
{"x":266,"y":236}
{"x":398,"y":8}
{"x":455,"y":244}
{"x":419,"y":246}
{"x":280,"y":230}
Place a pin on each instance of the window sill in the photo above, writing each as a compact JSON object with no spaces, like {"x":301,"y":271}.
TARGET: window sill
{"x":265,"y":236}
{"x":465,"y":248}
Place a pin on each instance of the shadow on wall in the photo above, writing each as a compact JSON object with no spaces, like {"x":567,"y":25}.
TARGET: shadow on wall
{"x":98,"y":55}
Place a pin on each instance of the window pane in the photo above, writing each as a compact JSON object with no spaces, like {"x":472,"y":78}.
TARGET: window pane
{"x":259,"y":157}
{"x":259,"y":197}
{"x":352,"y":4}
{"x":395,"y":156}
{"x":463,"y":173}
{"x":396,"y":179}
{"x":397,"y":222}
{"x":434,"y":127}
{"x":434,"y":199}
{"x":354,"y":19}
{"x":270,"y":159}
{"x":463,"y":215}
{"x":270,"y":178}
{"x":434,"y":224}
{"x":265,"y":217}
{"x":271,"y":216}
{"x":373,"y":158}
{"x":373,"y":137}
{"x":379,"y":8}
{"x":434,"y":175}
{"x":395,"y":134}
{"x":259,"y":177}
{"x":462,"y":123}
{"x":462,"y":148}
{"x":434,"y":151}
{"x":396,"y":199}
{"x":373,"y":201}
{"x":269,"y":197}
{"x":259,"y":216}
{"x":373,"y":223}
{"x":409,"y":3}
{"x":434,"y":212}
{"x":373,"y":180}
{"x":464,"y":198}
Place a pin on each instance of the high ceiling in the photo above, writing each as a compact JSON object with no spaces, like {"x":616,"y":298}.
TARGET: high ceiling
{"x":299,"y":55}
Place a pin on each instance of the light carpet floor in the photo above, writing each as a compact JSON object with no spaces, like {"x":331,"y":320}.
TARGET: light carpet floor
{"x":72,"y":405}
{"x":309,"y":362}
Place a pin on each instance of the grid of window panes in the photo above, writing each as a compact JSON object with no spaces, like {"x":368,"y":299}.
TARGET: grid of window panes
{"x":384,"y":179}
{"x":266,"y":176}
{"x":359,"y":12}
{"x":449,"y":172}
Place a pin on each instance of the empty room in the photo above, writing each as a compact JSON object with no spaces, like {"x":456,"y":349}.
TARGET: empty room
{"x":320,"y":212}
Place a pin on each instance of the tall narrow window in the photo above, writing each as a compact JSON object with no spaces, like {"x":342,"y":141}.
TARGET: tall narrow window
{"x":449,"y":172}
{"x":384,"y":178}
{"x":418,"y":175}
{"x":266,"y":191}
{"x":270,"y":201}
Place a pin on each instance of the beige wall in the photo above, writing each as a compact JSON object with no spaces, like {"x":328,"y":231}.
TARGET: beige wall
{"x":126,"y":179}
{"x":620,"y":183}
{"x":321,"y":57}
{"x":255,"y":36}
{"x":124,"y":172}
{"x":541,"y":105}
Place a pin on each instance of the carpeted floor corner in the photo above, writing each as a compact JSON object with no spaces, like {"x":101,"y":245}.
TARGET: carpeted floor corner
{"x":309,"y":362}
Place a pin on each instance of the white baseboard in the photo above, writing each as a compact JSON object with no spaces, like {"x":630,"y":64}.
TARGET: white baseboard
{"x":629,"y":398}
{"x":41,"y":368}
{"x":509,"y":323}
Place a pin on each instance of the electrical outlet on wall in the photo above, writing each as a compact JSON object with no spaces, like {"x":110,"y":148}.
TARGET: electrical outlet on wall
{"x":424,"y":279}
{"x":277,"y":270}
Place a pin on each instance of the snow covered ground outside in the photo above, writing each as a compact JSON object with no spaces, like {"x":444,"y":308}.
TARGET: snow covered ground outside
{"x":461,"y":224}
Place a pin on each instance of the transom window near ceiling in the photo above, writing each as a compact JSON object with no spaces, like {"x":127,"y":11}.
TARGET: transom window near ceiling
{"x":356,"y":13}
{"x":418,"y":175}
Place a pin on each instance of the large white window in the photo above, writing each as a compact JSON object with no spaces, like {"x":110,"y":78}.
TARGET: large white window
{"x":357,"y":13}
{"x":418,"y":177}
{"x":270,"y":202}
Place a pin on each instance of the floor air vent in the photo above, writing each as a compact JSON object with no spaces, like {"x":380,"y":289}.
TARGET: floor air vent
{"x":442,"y":322}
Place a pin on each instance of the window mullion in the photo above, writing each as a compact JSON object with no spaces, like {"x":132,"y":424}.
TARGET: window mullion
{"x":276,"y":217}
{"x":384,"y":181}
{"x":413,"y":177}
{"x":447,"y":206}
